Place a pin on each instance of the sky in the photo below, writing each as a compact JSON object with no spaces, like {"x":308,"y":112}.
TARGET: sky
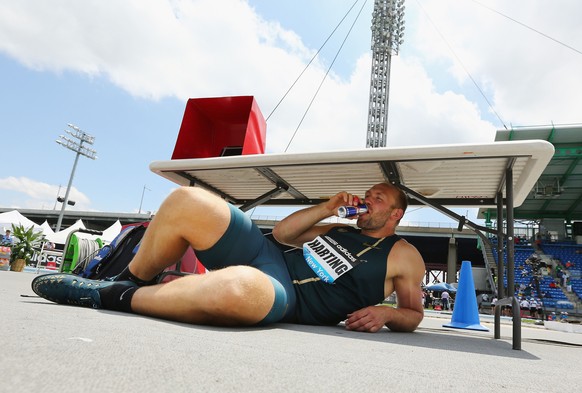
{"x":122,"y":71}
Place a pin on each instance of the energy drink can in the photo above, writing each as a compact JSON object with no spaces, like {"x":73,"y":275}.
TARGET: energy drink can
{"x":351,"y":211}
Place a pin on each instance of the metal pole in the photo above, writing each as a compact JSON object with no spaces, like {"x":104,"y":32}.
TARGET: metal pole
{"x":387,"y":32}
{"x":511,"y":260}
{"x":500,"y":265}
{"x":142,"y":194}
{"x":60,"y":221}
{"x":56,"y":199}
{"x":78,"y":148}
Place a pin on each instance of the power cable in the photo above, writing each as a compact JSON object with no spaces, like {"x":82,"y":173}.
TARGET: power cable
{"x":462,"y":65}
{"x":325,"y":76}
{"x":529,"y":27}
{"x":313,"y":58}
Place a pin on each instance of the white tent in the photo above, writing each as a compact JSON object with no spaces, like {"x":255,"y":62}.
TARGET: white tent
{"x":46,"y":228}
{"x":61,"y":236}
{"x":14,"y":217}
{"x":110,"y":233}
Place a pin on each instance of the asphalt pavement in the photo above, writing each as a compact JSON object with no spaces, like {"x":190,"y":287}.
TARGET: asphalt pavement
{"x":45,"y":347}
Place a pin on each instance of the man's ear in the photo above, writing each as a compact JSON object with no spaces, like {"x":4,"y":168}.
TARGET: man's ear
{"x":397,"y":214}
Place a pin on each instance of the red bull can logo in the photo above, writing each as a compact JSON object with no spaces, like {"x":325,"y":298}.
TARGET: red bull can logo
{"x":351,"y":211}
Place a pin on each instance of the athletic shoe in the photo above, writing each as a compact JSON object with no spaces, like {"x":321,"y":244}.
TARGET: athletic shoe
{"x":71,"y":289}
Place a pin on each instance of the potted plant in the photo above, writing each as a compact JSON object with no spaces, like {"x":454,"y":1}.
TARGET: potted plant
{"x":25,"y":241}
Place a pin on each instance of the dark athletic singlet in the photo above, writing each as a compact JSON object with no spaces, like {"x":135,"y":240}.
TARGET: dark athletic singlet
{"x":319,"y":303}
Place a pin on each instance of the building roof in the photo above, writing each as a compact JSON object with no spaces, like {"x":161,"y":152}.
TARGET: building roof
{"x":558,"y":191}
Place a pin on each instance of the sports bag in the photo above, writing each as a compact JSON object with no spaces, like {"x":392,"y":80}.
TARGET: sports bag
{"x":114,"y":257}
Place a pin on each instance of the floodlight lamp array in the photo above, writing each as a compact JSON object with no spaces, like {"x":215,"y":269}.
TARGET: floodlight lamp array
{"x":77,"y":146}
{"x":80,"y":134}
{"x":388,"y":26}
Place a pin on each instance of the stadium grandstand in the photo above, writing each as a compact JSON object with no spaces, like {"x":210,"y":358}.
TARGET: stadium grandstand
{"x":548,"y":227}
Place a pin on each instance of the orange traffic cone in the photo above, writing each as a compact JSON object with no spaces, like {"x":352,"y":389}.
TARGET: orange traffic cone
{"x":466,"y":313}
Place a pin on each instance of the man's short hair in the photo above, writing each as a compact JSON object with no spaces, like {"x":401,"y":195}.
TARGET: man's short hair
{"x":401,"y":197}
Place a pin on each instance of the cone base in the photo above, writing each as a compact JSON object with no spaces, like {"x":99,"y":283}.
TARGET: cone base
{"x":458,"y":325}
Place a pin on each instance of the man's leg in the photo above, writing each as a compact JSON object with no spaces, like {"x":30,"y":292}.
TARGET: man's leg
{"x":188,"y":217}
{"x":233,"y":295}
{"x":236,"y":295}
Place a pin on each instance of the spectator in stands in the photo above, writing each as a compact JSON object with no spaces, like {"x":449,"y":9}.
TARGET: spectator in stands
{"x":553,"y":284}
{"x":564,"y":316}
{"x":569,"y":265}
{"x":552,"y":316}
{"x":533,"y":308}
{"x":445,"y":300}
{"x":539,"y":308}
{"x":524,"y":306}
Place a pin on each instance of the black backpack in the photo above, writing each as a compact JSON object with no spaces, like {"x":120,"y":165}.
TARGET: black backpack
{"x":114,"y":257}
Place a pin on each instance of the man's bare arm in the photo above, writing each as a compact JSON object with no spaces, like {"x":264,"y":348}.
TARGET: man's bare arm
{"x":410,"y":310}
{"x":373,"y":318}
{"x":301,"y":226}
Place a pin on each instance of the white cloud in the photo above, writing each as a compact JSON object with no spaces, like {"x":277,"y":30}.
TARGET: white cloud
{"x":185,"y":48}
{"x":530,"y":78}
{"x":202,"y":48}
{"x":22,"y":192}
{"x":196,"y":49}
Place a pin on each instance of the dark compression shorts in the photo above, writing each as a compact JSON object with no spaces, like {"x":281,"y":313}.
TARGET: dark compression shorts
{"x":243,"y":243}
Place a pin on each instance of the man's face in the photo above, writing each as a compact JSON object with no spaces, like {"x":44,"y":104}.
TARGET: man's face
{"x":380,"y":201}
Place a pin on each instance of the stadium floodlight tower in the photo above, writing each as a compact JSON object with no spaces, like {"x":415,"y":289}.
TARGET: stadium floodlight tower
{"x":387,"y":33}
{"x":77,"y":147}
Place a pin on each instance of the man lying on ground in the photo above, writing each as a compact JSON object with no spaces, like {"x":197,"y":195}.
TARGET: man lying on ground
{"x":337,"y":273}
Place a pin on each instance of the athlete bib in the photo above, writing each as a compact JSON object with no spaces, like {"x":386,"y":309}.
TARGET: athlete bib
{"x":328,"y":259}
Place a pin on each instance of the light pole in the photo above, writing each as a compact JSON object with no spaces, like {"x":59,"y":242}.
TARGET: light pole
{"x":141,"y":201}
{"x":387,"y":33}
{"x":77,"y":147}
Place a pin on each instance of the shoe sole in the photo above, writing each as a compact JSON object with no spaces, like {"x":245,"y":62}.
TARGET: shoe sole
{"x":56,"y":279}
